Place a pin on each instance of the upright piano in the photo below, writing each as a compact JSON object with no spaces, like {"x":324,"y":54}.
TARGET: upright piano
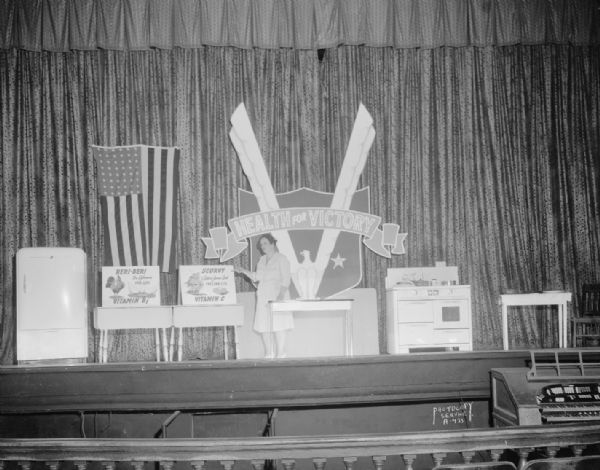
{"x":559,"y":386}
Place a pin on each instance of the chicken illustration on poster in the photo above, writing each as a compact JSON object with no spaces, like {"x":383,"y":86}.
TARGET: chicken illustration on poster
{"x":130,"y":286}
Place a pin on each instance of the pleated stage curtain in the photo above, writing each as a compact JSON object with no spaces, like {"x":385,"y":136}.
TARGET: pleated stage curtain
{"x":487,"y":157}
{"x":62,"y":25}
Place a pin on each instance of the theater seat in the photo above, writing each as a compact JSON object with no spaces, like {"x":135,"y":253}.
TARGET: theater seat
{"x":590,"y":462}
{"x":585,"y":326}
{"x":477,"y":466}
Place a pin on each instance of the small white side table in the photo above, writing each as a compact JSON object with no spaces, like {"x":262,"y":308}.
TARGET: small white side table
{"x":129,"y":318}
{"x":198,"y":316}
{"x":558,"y":298}
{"x":344,"y":305}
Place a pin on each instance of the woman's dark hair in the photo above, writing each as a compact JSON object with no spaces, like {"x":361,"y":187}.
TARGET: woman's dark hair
{"x":269,"y":237}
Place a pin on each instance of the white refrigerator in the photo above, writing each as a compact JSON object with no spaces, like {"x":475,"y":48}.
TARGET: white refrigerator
{"x":52,"y":313}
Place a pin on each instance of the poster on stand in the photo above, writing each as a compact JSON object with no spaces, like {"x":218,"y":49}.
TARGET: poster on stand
{"x":130,"y":286}
{"x":207,"y":285}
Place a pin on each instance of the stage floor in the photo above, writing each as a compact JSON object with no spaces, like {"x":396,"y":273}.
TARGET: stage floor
{"x":236,"y":398}
{"x":251,"y":384}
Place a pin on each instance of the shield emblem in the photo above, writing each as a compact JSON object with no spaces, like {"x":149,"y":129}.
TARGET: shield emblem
{"x":344,"y":269}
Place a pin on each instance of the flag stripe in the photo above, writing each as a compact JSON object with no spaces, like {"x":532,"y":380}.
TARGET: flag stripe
{"x":111,"y":257}
{"x":148,"y":196}
{"x":119,"y":232}
{"x":127,"y":220}
{"x":125,"y":238}
{"x":174,"y":178}
{"x":144,"y":165}
{"x":154,"y":194}
{"x":164,"y":226}
{"x":138,"y":232}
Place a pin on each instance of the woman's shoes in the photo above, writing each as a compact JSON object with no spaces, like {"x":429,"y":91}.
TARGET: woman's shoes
{"x":272,"y":356}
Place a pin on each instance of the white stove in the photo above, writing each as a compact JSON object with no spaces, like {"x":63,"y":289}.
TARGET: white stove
{"x":427,"y":317}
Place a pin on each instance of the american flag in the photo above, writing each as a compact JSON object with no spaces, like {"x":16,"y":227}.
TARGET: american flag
{"x":138,"y":188}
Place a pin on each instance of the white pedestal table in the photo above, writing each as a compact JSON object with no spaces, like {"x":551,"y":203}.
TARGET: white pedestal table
{"x":201,"y":316}
{"x":558,"y":298}
{"x":127,"y":318}
{"x":318,"y":305}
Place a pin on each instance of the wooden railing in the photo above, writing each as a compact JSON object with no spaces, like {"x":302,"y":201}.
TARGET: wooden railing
{"x":348,"y":452}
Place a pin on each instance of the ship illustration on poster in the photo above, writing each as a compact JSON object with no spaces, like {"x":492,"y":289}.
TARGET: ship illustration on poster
{"x":320,"y":233}
{"x":142,"y":295}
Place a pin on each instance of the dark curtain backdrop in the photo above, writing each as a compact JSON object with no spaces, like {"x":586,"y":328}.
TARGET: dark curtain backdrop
{"x":489,"y":157}
{"x":64,"y":25}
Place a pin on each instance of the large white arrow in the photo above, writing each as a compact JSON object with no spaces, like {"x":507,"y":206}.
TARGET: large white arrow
{"x":245,"y":143}
{"x":358,"y":148}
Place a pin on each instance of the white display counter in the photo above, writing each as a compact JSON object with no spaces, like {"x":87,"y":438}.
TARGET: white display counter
{"x":320,"y":333}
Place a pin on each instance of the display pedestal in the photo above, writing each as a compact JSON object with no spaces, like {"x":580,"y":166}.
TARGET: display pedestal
{"x":199,"y":316}
{"x":559,"y":299}
{"x":319,"y":333}
{"x":167,"y":316}
{"x":301,"y":306}
{"x":125,"y":318}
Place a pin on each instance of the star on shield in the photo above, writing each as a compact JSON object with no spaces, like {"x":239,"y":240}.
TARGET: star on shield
{"x":338,"y":261}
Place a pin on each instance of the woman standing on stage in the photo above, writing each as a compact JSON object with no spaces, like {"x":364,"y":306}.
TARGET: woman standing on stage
{"x":272,"y":281}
